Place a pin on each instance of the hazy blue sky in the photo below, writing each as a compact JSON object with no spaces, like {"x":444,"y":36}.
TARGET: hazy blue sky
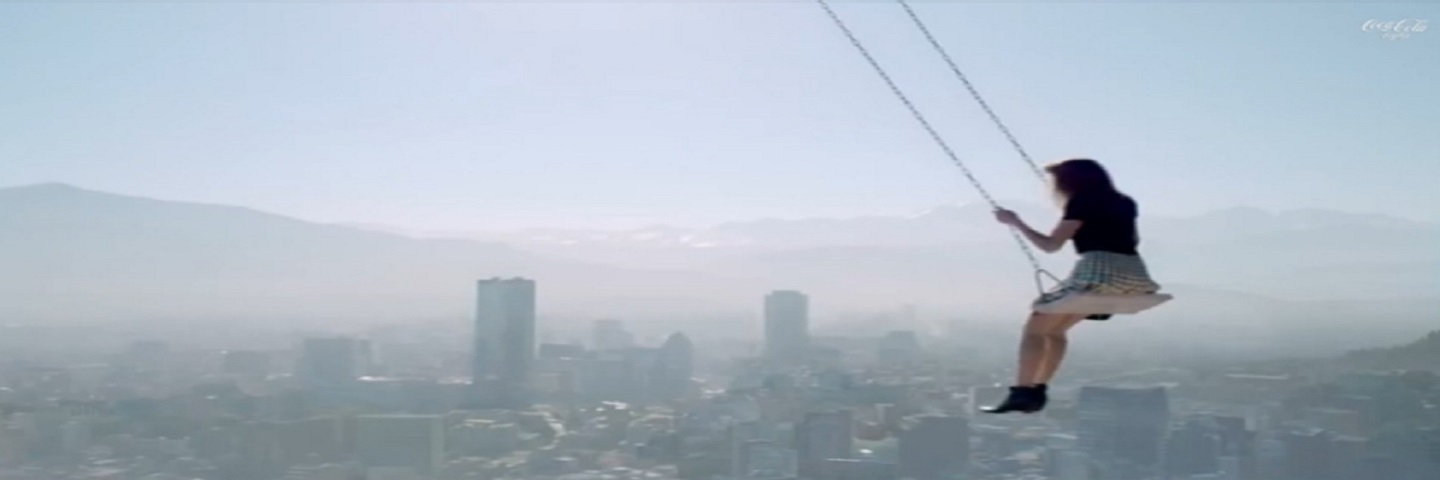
{"x":502,"y":114}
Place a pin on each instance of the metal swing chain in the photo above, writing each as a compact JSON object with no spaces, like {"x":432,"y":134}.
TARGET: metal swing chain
{"x":935,"y":135}
{"x":985,"y":106}
{"x":944,"y":55}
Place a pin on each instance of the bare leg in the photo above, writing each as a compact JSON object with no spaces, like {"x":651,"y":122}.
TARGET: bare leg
{"x":1025,"y":396}
{"x":1042,"y":345}
{"x":1056,"y":342}
{"x":1034,"y":346}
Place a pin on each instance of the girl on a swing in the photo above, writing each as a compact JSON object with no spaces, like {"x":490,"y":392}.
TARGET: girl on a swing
{"x":1100,"y":221}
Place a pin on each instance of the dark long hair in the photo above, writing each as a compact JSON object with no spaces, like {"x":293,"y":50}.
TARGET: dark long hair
{"x":1079,"y":175}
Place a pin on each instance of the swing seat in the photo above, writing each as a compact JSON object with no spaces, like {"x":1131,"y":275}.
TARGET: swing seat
{"x":1104,"y":303}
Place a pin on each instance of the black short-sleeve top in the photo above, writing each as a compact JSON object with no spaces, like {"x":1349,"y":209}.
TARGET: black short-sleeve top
{"x":1107,"y":222}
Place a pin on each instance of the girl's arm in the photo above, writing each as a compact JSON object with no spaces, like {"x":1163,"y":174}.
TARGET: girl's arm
{"x":1063,"y":232}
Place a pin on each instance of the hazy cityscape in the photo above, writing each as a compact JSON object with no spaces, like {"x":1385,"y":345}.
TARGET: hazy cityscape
{"x":481,"y":240}
{"x":510,"y":390}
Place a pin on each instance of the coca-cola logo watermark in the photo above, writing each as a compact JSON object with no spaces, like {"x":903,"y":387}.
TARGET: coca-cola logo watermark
{"x":1395,"y":29}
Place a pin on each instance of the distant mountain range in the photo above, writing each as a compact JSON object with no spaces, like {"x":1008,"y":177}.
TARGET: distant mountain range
{"x":1422,"y":354}
{"x":70,"y":253}
{"x":74,"y":253}
{"x":1303,"y":254}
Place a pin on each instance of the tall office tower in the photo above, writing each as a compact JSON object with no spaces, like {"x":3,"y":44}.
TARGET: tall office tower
{"x":743,"y":438}
{"x":934,"y":447}
{"x":673,"y":367}
{"x":1123,"y":429}
{"x":414,"y":443}
{"x":823,"y":436}
{"x":787,"y":326}
{"x":332,"y":362}
{"x":1194,"y":448}
{"x":504,"y":341}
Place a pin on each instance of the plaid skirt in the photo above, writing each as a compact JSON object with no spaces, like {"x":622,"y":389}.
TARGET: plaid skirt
{"x":1103,"y":272}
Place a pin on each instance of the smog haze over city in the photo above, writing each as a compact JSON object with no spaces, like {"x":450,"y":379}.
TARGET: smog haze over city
{"x":709,"y":241}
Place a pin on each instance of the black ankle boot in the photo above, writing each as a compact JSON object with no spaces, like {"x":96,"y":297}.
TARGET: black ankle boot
{"x":1021,"y":399}
{"x":1042,"y":396}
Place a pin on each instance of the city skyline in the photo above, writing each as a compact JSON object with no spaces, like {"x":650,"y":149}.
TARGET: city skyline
{"x":710,"y":240}
{"x":890,"y":406}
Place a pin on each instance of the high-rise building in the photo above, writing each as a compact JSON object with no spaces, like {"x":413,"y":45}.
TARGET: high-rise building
{"x":763,"y":459}
{"x":744,"y":439}
{"x":1205,"y":444}
{"x":934,"y":447}
{"x":331,"y":362}
{"x":1193,"y":448}
{"x":504,"y":348}
{"x":823,"y":436}
{"x":673,"y":367}
{"x":1413,"y":450}
{"x":787,"y":325}
{"x":410,"y":442}
{"x":1123,"y":429}
{"x":1315,"y":454}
